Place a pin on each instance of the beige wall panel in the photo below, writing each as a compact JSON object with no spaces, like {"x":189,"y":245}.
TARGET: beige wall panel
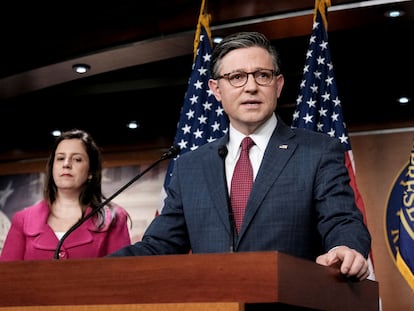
{"x":379,"y":158}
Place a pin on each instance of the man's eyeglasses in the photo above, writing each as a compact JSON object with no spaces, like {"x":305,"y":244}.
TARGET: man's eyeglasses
{"x":239,"y":78}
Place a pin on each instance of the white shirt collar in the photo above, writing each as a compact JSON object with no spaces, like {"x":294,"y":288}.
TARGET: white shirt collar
{"x":260,"y":137}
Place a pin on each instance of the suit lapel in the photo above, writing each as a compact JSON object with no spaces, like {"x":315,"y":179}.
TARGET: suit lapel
{"x":216,"y":180}
{"x":277,"y":154}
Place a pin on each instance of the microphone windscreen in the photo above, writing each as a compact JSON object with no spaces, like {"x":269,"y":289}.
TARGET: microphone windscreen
{"x":222,"y":151}
{"x":171,"y":153}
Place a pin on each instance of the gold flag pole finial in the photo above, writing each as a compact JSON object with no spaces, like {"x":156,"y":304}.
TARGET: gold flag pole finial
{"x":322,"y":6}
{"x":203,"y":19}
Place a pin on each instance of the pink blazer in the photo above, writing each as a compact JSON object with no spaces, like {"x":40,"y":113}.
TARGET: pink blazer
{"x":31,"y":238}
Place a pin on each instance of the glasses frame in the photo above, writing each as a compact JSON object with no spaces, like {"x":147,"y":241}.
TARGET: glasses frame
{"x":253,"y":73}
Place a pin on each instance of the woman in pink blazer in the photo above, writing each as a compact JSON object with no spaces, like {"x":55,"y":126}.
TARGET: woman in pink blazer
{"x":72,"y":190}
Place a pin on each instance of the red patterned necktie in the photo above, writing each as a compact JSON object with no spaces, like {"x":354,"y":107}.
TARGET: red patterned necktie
{"x":241,"y":183}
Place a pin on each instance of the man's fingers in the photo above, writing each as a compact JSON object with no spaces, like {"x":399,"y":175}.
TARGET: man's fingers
{"x":350,"y":263}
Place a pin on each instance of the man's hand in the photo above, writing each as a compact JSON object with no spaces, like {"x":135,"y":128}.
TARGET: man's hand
{"x":350,"y":262}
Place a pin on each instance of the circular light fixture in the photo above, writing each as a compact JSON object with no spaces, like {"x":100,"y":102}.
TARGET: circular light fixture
{"x":133,"y":125}
{"x":56,"y":133}
{"x":81,"y":68}
{"x":394,"y":13}
{"x":403,"y":100}
{"x":217,"y":39}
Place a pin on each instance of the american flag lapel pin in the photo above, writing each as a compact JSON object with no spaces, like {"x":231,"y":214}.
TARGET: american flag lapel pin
{"x":284,"y":146}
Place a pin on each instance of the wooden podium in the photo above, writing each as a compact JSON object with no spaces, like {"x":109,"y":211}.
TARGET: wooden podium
{"x":232,"y":281}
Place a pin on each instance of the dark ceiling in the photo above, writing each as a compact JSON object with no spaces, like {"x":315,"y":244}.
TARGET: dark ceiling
{"x":140,"y":53}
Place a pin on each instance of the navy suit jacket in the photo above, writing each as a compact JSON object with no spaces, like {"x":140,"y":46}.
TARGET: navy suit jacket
{"x":301,"y":202}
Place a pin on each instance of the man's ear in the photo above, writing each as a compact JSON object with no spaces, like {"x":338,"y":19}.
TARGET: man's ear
{"x":280,"y":80}
{"x":214,"y":87}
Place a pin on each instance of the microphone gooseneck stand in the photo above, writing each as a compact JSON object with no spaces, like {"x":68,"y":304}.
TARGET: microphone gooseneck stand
{"x":171,"y":153}
{"x":222,"y":151}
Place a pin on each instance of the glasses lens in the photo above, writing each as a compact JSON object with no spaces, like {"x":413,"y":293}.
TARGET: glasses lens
{"x":237,"y":78}
{"x":263,"y":77}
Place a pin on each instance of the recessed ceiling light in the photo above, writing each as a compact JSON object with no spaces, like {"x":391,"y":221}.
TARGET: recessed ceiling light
{"x":217,"y":39}
{"x":133,"y":125}
{"x":56,"y":133}
{"x":403,"y":100}
{"x":81,"y":68}
{"x":394,"y":13}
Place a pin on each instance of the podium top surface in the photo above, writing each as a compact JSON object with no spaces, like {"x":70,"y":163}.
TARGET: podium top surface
{"x":250,"y":277}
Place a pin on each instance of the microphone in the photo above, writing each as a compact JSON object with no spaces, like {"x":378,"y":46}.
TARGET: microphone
{"x":222,"y":151}
{"x":172,"y":152}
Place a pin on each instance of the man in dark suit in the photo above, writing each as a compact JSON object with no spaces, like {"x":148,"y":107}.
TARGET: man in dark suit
{"x":301,"y":202}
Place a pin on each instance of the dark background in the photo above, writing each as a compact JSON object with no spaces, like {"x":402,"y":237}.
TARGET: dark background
{"x":140,"y":54}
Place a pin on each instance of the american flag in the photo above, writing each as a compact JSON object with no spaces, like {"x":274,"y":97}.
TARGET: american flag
{"x":318,"y":107}
{"x":202,"y":117}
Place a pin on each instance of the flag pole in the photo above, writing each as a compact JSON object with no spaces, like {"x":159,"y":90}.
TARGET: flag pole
{"x":203,"y":20}
{"x":322,"y":6}
{"x":202,"y":118}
